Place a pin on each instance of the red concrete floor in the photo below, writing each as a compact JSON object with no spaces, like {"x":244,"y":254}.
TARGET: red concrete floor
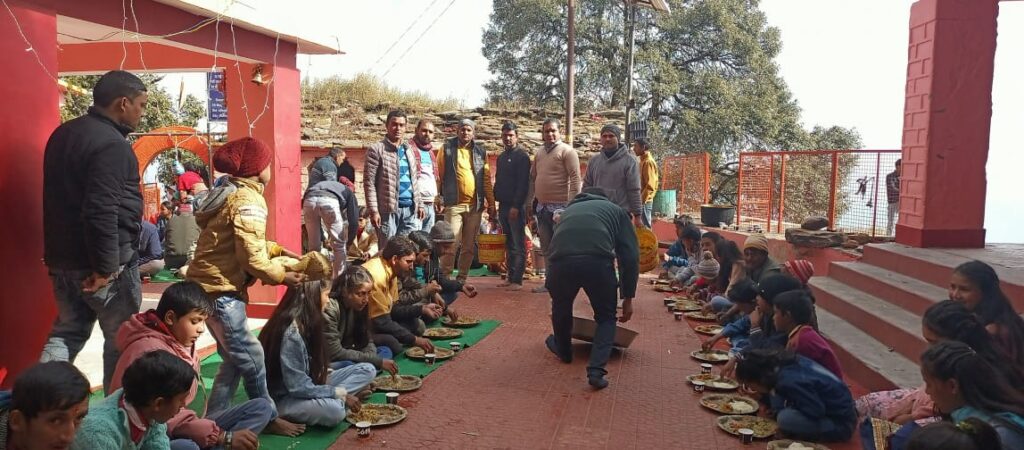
{"x":508,"y":391}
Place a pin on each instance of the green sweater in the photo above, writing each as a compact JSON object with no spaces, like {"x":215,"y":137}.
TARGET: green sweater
{"x":106,"y":427}
{"x":594,"y":226}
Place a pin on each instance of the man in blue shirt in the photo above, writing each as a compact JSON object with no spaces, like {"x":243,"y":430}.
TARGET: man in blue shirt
{"x":151,"y":253}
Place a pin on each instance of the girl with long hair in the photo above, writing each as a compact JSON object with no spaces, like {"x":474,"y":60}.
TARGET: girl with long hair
{"x":971,"y":434}
{"x":976,"y":285}
{"x":731,"y":271}
{"x":300,"y":383}
{"x":347,"y":328}
{"x":963,"y":384}
{"x":809,"y":401}
{"x":947,"y":320}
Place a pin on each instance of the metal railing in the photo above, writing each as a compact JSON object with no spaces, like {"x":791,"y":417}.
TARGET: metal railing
{"x":777,"y":190}
{"x":690,"y":177}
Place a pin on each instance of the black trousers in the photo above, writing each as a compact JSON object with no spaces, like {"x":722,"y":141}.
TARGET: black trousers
{"x":596,"y":276}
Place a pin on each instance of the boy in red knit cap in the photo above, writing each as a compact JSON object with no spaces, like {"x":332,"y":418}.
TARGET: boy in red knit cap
{"x":800,"y":269}
{"x":231,"y":254}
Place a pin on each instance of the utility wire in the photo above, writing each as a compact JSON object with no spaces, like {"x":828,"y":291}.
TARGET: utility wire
{"x":417,"y":40}
{"x":407,"y":28}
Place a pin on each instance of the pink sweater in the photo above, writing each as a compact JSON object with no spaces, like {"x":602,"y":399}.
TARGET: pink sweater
{"x":144,"y":333}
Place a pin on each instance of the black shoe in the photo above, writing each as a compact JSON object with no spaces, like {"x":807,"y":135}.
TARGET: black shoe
{"x":597,"y":381}
{"x":550,"y":343}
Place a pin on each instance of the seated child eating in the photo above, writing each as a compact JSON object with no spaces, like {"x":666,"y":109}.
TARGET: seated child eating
{"x":792,"y":316}
{"x":297,"y":366}
{"x":963,"y":385}
{"x":683,"y":252}
{"x":174,"y":326}
{"x":347,"y":324}
{"x":707,"y":275}
{"x":969,"y":434}
{"x":46,"y":407}
{"x":808,"y":401}
{"x":744,"y":296}
{"x":153,"y":391}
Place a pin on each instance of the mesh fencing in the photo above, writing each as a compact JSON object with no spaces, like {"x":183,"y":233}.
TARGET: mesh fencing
{"x":690,"y":177}
{"x":778,"y":190}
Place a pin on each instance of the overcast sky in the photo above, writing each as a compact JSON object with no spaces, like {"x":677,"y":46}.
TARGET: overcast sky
{"x":845,"y":62}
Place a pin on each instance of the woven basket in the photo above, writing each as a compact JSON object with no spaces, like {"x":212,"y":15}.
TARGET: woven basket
{"x":491,"y":248}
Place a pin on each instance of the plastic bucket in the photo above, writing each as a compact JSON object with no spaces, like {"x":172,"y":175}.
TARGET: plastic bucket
{"x":491,"y":248}
{"x":665,"y":203}
{"x":648,"y":244}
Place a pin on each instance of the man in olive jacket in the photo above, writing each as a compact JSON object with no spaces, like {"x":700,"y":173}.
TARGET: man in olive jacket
{"x":591,"y":235}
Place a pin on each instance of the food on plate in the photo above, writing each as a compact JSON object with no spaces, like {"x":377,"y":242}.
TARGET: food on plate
{"x":712,"y":356}
{"x":442,"y":333}
{"x":419,"y":353}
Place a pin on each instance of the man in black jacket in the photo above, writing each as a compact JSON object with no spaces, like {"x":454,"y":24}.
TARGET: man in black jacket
{"x":511,"y":185}
{"x":91,"y":210}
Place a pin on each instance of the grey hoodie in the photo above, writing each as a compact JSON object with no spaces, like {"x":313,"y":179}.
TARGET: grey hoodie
{"x":619,"y":176}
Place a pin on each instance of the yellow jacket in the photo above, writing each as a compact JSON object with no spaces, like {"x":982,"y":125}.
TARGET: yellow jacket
{"x":648,"y":177}
{"x":385,"y":286}
{"x":233,"y":250}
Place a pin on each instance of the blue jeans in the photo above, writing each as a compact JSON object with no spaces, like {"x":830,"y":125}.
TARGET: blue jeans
{"x":78,"y":311}
{"x":241,"y":352}
{"x":449,"y":297}
{"x":646,"y":216}
{"x":515,"y":244}
{"x":720,"y":304}
{"x":428,"y":217}
{"x":383,"y":351}
{"x":797,"y":425}
{"x":252,"y":415}
{"x":596,"y":276}
{"x":327,"y":411}
{"x":402,"y":221}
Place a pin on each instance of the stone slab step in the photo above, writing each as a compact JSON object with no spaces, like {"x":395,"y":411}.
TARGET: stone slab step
{"x":936,"y":265}
{"x":892,"y":325}
{"x":865,"y":360}
{"x":908,"y":293}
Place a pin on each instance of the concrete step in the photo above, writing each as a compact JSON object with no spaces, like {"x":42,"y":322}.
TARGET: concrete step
{"x":908,"y":293}
{"x":936,"y":265}
{"x":892,"y":325}
{"x":865,"y":360}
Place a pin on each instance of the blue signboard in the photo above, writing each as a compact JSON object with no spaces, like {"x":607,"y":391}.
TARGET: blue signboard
{"x":216,"y":109}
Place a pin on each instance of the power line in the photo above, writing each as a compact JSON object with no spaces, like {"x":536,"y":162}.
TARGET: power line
{"x":417,"y":40}
{"x":407,"y":28}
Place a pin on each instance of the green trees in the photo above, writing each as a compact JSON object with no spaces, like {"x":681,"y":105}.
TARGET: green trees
{"x":705,"y":75}
{"x":161,"y":111}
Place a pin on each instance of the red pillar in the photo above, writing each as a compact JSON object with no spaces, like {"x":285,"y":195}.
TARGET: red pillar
{"x":947,"y":117}
{"x":278,"y":127}
{"x":27,"y":307}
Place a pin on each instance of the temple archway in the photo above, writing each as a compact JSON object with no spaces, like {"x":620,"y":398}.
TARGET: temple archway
{"x":148,"y":146}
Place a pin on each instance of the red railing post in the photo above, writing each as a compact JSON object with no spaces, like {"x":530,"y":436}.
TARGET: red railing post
{"x":782,"y":194}
{"x":874,"y":203}
{"x":739,"y":190}
{"x":707,"y":178}
{"x":832,"y":191}
{"x":771,"y":192}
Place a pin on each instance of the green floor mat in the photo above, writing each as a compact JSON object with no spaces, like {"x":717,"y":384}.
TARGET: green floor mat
{"x":164,"y":276}
{"x":322,"y":437}
{"x":479,"y":272}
